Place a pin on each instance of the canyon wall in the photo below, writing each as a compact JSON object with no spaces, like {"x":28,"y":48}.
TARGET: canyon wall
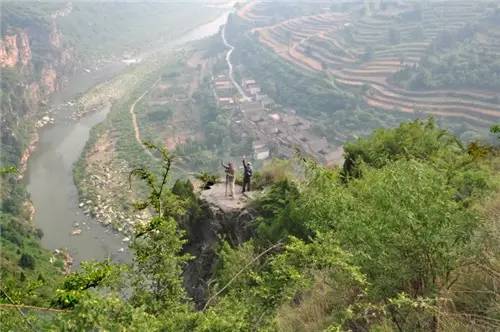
{"x":34,"y":61}
{"x":219,"y":218}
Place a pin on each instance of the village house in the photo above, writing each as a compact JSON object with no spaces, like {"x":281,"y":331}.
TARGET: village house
{"x":261,"y":151}
{"x":225,"y":102}
{"x":269,"y":127}
{"x":254,"y":90}
{"x":245,"y":83}
{"x":266,"y":101}
{"x":252,"y":107}
{"x":222,"y":85}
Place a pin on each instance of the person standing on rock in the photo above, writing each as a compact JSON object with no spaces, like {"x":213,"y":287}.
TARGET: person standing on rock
{"x":247,"y":175}
{"x":229,"y":170}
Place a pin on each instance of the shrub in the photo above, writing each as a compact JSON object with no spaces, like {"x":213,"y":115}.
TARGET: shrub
{"x":27,"y":261}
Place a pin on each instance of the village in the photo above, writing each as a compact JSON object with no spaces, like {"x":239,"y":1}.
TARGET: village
{"x":279,"y":131}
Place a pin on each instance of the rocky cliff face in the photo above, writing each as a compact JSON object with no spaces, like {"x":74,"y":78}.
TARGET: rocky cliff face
{"x":33,"y":63}
{"x":15,"y":49}
{"x":16,"y":54}
{"x":221,"y":218}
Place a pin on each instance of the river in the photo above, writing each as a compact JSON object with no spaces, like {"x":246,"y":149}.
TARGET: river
{"x":49,"y":174}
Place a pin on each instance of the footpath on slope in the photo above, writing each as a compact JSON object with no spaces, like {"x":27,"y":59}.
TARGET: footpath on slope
{"x":230,"y":65}
{"x":137,"y":133}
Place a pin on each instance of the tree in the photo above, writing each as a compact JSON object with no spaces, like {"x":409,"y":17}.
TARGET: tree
{"x":418,"y":139}
{"x":158,"y":263}
{"x":163,"y":202}
{"x":26,"y":261}
{"x":496,"y":130}
{"x":8,"y":170}
{"x":423,"y":228}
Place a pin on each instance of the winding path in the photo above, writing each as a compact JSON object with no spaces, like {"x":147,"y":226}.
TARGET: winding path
{"x":230,"y":65}
{"x":137,"y":132}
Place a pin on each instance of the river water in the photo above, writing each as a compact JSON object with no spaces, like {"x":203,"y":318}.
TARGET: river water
{"x":49,"y":174}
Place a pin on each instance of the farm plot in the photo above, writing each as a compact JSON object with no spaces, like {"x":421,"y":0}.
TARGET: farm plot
{"x":364,"y":52}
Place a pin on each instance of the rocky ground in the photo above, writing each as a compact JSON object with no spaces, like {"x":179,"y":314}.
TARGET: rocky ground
{"x":216,"y":196}
{"x":105,"y":192}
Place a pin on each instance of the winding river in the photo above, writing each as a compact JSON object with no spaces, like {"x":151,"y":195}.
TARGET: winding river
{"x":49,"y":174}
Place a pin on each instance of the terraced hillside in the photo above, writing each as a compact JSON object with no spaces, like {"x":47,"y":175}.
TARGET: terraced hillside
{"x":366,"y":47}
{"x":261,"y":13}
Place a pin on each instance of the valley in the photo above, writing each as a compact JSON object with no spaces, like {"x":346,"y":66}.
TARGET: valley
{"x":82,"y":99}
{"x":367,"y":132}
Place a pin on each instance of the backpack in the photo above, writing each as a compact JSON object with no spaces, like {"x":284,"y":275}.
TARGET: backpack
{"x":248,"y":171}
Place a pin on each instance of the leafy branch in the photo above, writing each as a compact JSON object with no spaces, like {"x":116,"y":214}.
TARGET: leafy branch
{"x":496,"y":130}
{"x":162,"y":201}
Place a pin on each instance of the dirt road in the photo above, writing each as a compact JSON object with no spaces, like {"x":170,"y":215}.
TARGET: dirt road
{"x":137,"y":132}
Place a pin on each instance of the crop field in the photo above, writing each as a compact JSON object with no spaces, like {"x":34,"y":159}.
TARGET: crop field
{"x":365,"y":49}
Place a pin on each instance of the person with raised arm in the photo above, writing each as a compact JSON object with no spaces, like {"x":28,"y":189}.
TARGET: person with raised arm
{"x":229,"y":170}
{"x":247,"y":175}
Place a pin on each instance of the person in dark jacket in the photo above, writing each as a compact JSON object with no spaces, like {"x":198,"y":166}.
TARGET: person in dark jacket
{"x":247,"y":175}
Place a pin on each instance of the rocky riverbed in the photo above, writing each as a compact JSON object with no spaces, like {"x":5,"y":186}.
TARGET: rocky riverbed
{"x":105,"y":193}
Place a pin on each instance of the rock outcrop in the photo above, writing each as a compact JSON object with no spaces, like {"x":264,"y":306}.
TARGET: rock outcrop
{"x":219,"y":218}
{"x":34,"y":60}
{"x":15,"y":49}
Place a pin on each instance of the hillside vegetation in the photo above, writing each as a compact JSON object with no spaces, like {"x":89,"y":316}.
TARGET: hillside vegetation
{"x":401,"y":238}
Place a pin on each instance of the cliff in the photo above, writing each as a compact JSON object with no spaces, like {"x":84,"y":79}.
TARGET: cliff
{"x":15,"y":49}
{"x":33,"y":63}
{"x":219,"y":218}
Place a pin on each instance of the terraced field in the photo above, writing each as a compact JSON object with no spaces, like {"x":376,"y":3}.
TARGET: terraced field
{"x":365,"y":50}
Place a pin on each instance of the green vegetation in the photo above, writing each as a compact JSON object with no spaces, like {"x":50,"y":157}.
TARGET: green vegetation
{"x":496,"y":130}
{"x":28,"y":272}
{"x":403,"y":238}
{"x":24,"y":14}
{"x":456,"y":60}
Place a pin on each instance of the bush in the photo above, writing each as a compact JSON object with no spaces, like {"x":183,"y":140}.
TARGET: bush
{"x":275,"y":171}
{"x":39,"y":233}
{"x":27,"y":261}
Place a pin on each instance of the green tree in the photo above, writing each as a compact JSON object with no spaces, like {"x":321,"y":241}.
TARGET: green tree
{"x":158,"y":262}
{"x":421,"y":140}
{"x":496,"y":130}
{"x":26,"y":261}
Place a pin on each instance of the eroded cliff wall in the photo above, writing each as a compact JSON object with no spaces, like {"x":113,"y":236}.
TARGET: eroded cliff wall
{"x":33,"y":63}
